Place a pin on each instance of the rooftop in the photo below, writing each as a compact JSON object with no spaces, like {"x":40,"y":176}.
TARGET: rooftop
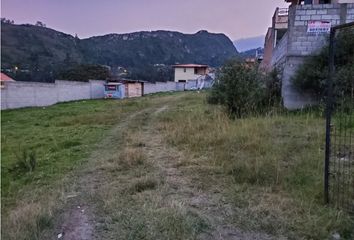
{"x":189,"y":66}
{"x":124,"y":80}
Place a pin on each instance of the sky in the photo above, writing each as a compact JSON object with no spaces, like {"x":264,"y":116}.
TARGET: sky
{"x":235,"y":18}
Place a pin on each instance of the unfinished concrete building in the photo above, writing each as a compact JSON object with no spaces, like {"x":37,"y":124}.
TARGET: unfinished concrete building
{"x":307,"y":30}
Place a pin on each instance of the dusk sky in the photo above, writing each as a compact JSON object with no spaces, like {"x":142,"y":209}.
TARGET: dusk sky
{"x":236,"y":18}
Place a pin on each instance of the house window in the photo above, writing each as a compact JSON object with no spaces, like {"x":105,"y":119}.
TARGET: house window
{"x":195,"y":71}
{"x":184,"y":69}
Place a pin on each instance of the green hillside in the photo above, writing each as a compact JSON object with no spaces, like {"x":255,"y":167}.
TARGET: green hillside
{"x":41,"y":53}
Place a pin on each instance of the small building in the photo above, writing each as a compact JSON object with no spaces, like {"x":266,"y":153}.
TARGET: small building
{"x":114,"y":90}
{"x":186,"y":72}
{"x":132,"y":88}
{"x":4,"y":78}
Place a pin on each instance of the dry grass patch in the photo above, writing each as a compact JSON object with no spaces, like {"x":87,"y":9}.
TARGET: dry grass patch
{"x":143,"y":184}
{"x":271,"y":167}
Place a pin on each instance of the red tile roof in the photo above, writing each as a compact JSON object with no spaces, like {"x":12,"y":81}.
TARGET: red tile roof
{"x":4,"y":77}
{"x":190,"y":66}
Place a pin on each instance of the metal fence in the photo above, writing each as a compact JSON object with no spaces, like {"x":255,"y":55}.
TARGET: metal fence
{"x":339,"y":159}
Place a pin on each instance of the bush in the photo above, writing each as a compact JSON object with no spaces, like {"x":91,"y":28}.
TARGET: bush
{"x":26,"y":162}
{"x":272,"y":89}
{"x":244,"y":90}
{"x":312,"y":75}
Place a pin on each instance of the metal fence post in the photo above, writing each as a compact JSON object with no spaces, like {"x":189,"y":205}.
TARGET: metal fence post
{"x":328,"y":114}
{"x":330,"y":106}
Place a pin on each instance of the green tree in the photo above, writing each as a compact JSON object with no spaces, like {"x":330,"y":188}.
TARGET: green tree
{"x":244,"y":90}
{"x":239,"y":88}
{"x":85,"y":72}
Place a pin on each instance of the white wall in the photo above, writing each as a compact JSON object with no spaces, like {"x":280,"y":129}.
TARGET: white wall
{"x":35,"y":94}
{"x":162,"y":87}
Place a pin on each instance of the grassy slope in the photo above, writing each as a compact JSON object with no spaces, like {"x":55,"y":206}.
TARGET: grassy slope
{"x":269,"y":168}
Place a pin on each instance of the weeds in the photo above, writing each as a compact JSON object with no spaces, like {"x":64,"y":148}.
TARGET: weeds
{"x":274,"y":165}
{"x":143,"y":185}
{"x":267,"y":169}
{"x":26,"y":162}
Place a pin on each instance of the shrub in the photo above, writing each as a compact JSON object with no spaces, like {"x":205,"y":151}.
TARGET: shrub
{"x":272,"y":89}
{"x":244,"y":90}
{"x":143,"y":185}
{"x":26,"y":162}
{"x":312,"y":75}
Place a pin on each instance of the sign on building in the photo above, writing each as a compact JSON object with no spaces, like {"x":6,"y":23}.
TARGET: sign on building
{"x":318,"y":27}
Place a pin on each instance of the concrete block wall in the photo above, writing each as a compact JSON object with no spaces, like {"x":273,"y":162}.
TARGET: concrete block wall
{"x":300,"y":44}
{"x":303,"y":43}
{"x":180,"y":86}
{"x":35,"y":94}
{"x":293,"y":98}
{"x":70,"y":90}
{"x":280,"y":51}
{"x":26,"y":94}
{"x":97,"y":89}
{"x":191,"y":84}
{"x":160,"y":87}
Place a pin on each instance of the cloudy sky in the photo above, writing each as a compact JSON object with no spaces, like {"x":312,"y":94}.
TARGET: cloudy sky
{"x":236,"y":18}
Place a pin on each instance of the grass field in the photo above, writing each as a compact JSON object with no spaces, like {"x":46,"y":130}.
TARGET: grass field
{"x":167,"y":166}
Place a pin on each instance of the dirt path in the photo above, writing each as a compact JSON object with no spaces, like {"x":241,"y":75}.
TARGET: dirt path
{"x":77,"y":220}
{"x":211,"y":206}
{"x":104,"y":206}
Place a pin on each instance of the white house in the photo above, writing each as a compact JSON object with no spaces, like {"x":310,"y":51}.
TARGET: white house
{"x":185,"y":72}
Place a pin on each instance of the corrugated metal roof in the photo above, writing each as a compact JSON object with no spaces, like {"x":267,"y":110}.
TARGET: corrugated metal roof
{"x":4,"y":77}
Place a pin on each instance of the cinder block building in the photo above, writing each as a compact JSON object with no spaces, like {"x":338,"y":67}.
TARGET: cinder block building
{"x":307,"y":30}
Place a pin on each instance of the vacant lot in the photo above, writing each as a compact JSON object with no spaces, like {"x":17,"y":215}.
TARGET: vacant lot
{"x":167,"y":166}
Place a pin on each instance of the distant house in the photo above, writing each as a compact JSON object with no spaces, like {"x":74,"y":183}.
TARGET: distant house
{"x":4,"y":78}
{"x":186,"y":72}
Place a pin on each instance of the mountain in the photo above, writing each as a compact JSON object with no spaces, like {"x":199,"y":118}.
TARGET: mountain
{"x":245,"y":44}
{"x":252,"y":53}
{"x":41,"y":49}
{"x":158,"y":47}
{"x":36,"y":48}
